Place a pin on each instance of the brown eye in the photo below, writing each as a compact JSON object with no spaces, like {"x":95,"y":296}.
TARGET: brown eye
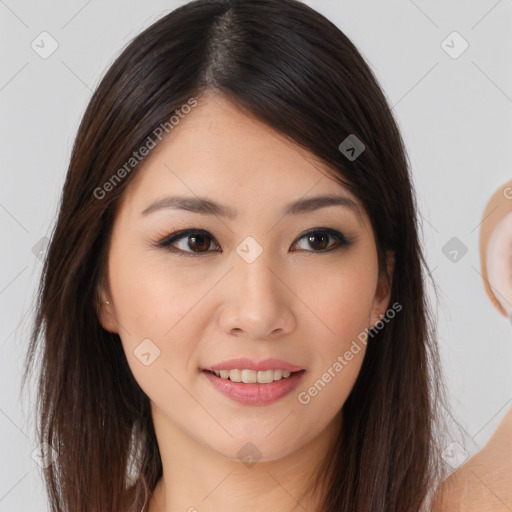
{"x":189,"y":241}
{"x":200,"y":242}
{"x":318,"y":239}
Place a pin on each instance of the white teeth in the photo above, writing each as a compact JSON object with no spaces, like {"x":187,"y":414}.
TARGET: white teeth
{"x":278,"y":374}
{"x":249,"y":376}
{"x":253,"y":376}
{"x":235,"y":375}
{"x":264,"y":377}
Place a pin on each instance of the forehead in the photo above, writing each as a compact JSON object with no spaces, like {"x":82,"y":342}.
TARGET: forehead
{"x":220,"y":151}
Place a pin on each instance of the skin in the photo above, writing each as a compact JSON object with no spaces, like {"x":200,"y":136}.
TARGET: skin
{"x":484,"y":481}
{"x":294,"y":302}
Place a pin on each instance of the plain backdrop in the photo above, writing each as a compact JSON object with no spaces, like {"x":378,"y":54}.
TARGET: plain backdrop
{"x":454,"y":108}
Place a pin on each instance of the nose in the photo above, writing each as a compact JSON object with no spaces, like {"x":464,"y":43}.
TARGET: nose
{"x":259,"y":303}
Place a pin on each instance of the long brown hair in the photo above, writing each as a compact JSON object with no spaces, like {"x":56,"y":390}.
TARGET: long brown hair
{"x":286,"y":64}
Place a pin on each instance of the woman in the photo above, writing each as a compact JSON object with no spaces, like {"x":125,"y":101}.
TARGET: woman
{"x":233,"y":310}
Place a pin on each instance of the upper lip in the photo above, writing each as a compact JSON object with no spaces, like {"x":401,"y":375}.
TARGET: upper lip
{"x":245,"y":363}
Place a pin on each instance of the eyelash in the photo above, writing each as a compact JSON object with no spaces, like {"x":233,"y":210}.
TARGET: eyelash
{"x":167,"y":241}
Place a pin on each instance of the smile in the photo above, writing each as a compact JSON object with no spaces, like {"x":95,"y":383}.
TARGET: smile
{"x":253,"y":391}
{"x":252,"y":376}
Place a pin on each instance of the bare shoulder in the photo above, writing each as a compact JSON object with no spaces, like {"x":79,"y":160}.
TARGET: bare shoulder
{"x":485,"y":481}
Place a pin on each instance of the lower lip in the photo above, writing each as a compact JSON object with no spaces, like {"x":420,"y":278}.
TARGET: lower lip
{"x":255,"y":394}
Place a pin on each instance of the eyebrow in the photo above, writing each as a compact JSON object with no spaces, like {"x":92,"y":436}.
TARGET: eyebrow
{"x":205,"y":206}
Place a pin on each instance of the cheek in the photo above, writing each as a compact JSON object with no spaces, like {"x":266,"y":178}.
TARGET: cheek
{"x":337,"y":354}
{"x":341,"y":301}
{"x":339,"y":294}
{"x":157,"y":311}
{"x":152,"y":293}
{"x":323,"y":395}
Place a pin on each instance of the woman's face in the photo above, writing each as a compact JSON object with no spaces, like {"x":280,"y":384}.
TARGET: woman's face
{"x":246,"y":282}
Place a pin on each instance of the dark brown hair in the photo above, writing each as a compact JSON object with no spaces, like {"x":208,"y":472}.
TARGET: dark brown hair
{"x":290,"y":67}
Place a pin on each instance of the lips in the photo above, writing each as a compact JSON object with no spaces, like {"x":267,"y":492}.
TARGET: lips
{"x":245,"y":363}
{"x":247,"y":391}
{"x":255,"y":393}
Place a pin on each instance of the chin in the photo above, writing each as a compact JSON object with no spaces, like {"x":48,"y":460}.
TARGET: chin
{"x":251,"y":450}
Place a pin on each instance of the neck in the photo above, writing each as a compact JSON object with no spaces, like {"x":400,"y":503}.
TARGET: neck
{"x":199,"y":478}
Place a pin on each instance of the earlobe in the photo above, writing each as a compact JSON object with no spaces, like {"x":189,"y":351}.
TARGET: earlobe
{"x":105,"y":311}
{"x":383,"y":291}
{"x":499,"y":264}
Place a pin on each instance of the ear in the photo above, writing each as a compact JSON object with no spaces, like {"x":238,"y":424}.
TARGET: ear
{"x":382,"y":295}
{"x":499,"y":264}
{"x":105,"y":309}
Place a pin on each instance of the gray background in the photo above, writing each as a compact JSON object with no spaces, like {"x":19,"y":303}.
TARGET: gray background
{"x":455,"y":115}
